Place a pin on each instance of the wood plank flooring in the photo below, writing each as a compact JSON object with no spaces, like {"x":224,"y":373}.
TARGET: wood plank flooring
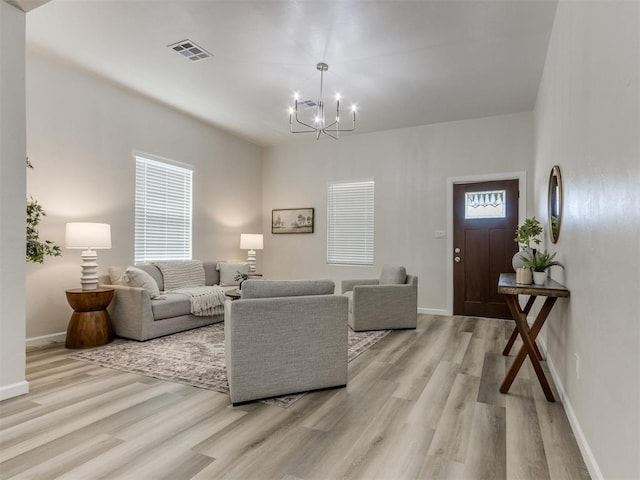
{"x":421,"y":403}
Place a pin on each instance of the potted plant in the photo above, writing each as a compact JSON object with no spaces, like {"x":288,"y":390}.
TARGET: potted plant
{"x":526,"y":234}
{"x":37,"y":249}
{"x":539,"y":262}
{"x":240,"y":277}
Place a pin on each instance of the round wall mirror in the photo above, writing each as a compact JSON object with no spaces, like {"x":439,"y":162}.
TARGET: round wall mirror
{"x":554,"y":203}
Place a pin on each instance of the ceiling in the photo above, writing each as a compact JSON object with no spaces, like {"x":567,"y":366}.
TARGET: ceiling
{"x":404,"y":63}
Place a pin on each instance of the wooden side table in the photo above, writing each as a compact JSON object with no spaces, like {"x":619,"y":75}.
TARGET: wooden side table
{"x":552,"y":291}
{"x":90,"y":325}
{"x":233,"y":294}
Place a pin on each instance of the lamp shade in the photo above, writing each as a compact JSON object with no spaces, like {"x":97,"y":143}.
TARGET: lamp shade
{"x":89,"y":236}
{"x":251,"y":241}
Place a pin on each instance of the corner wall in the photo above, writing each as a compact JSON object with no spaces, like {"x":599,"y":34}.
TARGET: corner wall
{"x":410,"y":167}
{"x":12,"y":202}
{"x":82,"y":134}
{"x":587,"y":121}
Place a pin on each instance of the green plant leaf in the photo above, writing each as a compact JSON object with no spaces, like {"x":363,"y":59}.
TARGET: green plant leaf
{"x":36,"y":249}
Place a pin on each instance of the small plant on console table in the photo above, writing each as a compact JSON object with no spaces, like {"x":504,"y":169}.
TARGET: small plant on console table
{"x":528,"y":232}
{"x":539,"y":262}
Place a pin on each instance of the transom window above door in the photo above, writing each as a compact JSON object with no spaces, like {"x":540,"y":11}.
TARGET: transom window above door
{"x":487,"y":204}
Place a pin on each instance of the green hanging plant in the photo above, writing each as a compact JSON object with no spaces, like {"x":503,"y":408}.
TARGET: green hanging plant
{"x":37,"y":249}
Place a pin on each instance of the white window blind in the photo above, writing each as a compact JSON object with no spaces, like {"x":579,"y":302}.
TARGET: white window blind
{"x":163,"y":211}
{"x":350,"y":223}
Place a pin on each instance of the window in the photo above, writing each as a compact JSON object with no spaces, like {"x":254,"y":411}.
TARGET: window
{"x":350,"y":223}
{"x":163,"y":211}
{"x":485,"y":204}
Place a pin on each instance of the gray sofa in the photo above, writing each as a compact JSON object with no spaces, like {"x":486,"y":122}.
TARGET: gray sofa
{"x":389,"y":302}
{"x":137,"y":316}
{"x":285,"y":337}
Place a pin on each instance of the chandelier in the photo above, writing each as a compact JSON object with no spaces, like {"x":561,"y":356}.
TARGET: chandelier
{"x":317,"y":123}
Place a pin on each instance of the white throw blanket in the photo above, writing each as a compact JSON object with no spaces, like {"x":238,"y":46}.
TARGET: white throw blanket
{"x":205,"y":301}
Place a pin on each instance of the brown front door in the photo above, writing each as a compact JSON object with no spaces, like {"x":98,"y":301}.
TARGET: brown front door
{"x":485,"y":218}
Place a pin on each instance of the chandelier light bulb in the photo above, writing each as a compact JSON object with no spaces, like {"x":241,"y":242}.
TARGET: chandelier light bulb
{"x":296,"y":97}
{"x":337,"y":97}
{"x":353,"y":108}
{"x":290,"y":110}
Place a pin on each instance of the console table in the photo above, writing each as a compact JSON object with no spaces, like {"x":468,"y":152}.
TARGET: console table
{"x":552,"y":290}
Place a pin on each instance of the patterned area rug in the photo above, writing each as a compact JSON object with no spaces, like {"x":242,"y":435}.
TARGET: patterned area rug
{"x":194,"y":357}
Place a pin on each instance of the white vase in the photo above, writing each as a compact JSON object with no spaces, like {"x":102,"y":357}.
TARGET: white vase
{"x":539,"y":277}
{"x":517,"y":262}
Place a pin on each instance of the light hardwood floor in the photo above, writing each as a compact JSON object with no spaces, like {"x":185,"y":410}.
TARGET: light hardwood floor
{"x":419,"y":404}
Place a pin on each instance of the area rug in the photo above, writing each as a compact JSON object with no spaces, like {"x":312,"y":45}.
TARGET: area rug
{"x":194,"y":357}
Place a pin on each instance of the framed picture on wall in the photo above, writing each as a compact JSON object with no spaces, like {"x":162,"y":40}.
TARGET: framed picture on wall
{"x":292,"y":220}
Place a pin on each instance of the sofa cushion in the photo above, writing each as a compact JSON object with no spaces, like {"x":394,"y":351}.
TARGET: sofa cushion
{"x":392,"y":275}
{"x":135,"y":277}
{"x":286,"y":288}
{"x":174,"y":305}
{"x":115,"y":275}
{"x":228,"y":272}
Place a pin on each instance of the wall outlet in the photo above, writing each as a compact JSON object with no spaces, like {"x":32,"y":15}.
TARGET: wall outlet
{"x":440,"y":234}
{"x":577,"y":365}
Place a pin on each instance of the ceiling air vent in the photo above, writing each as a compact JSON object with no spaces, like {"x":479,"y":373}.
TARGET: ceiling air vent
{"x":190,"y":50}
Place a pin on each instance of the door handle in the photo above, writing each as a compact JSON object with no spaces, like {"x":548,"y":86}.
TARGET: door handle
{"x":456,"y":259}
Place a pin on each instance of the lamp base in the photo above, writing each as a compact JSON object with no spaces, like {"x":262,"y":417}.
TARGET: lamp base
{"x":89,"y":277}
{"x":251,"y":260}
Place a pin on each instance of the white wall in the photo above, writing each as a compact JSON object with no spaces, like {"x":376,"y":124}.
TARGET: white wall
{"x":410,"y":167}
{"x":12,"y":202}
{"x":586,"y":121}
{"x":82,"y":132}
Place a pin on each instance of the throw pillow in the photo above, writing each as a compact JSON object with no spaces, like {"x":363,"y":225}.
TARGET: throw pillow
{"x":115,"y":275}
{"x":134,"y":277}
{"x":391,"y":275}
{"x":228,"y":272}
{"x":181,"y":274}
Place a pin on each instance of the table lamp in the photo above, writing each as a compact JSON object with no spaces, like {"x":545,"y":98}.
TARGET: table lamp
{"x":251,"y":242}
{"x":88,"y":237}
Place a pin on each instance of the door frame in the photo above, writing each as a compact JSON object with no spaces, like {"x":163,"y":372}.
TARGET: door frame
{"x":522,"y":212}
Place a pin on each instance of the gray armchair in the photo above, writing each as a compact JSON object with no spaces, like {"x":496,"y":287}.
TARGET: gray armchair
{"x":285,"y":337}
{"x":388,"y":302}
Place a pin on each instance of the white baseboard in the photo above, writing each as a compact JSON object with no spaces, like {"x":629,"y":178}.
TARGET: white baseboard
{"x":46,"y":339}
{"x":14,"y":390}
{"x":583,"y":444}
{"x":433,"y":311}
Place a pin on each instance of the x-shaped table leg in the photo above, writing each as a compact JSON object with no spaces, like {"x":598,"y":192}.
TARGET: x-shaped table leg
{"x":514,"y":334}
{"x":528,"y":340}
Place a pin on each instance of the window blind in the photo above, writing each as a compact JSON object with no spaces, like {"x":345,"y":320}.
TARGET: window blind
{"x":163,"y":211}
{"x":350,"y":223}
